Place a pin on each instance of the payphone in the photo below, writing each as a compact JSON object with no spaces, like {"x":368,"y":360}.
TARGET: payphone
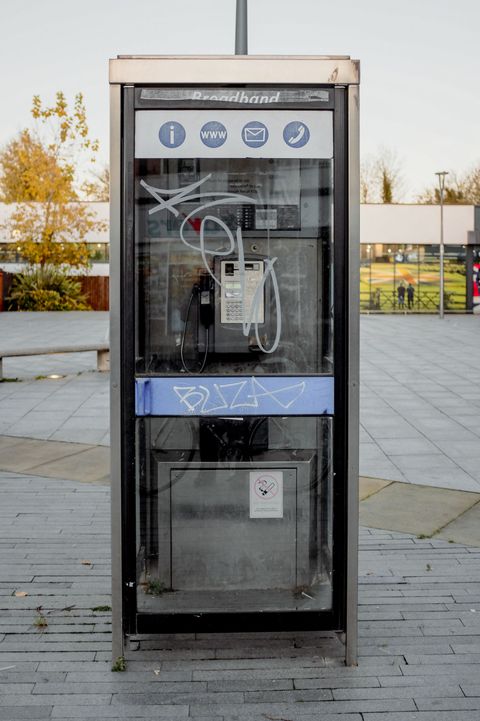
{"x":234,"y":344}
{"x":227,"y":301}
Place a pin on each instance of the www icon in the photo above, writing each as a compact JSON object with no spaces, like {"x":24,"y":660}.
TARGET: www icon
{"x":213,"y":134}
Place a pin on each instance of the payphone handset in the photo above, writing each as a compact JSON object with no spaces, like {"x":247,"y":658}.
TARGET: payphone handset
{"x":241,"y":304}
{"x":230,"y":305}
{"x":206,"y":301}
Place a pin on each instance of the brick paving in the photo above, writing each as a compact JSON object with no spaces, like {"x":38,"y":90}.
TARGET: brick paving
{"x":419,"y":632}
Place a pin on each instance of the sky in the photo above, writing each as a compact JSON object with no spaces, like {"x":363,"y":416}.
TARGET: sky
{"x":420,"y":62}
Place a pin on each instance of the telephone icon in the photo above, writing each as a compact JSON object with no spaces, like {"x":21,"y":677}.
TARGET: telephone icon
{"x":298,"y":136}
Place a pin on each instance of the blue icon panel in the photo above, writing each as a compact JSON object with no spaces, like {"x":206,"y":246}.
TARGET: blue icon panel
{"x":254,"y":134}
{"x":172,"y":134}
{"x":213,"y":134}
{"x":296,"y":134}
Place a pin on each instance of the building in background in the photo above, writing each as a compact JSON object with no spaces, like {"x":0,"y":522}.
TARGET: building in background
{"x":399,"y":247}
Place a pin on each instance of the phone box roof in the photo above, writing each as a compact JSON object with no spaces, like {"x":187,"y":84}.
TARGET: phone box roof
{"x":234,"y":69}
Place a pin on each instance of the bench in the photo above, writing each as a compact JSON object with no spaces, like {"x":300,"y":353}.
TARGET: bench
{"x":102,"y":349}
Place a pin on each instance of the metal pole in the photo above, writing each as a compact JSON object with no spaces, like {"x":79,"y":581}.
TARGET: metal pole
{"x":441,"y":183}
{"x":371,"y":304}
{"x":241,"y":29}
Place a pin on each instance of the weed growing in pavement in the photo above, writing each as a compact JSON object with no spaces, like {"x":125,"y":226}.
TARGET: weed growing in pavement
{"x":120,"y":664}
{"x":40,"y":621}
{"x":155,"y":587}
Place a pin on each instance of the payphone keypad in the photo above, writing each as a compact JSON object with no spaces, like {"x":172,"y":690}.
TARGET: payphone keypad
{"x":234,"y":308}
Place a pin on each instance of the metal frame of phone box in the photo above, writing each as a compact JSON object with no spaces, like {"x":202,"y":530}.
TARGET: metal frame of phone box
{"x":340,"y":75}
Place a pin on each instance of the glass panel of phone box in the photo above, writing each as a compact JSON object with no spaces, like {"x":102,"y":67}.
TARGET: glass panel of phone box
{"x":234,"y":277}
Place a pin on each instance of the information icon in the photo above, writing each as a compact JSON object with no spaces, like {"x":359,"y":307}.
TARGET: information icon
{"x":254,"y":134}
{"x":172,"y":134}
{"x":296,"y":134}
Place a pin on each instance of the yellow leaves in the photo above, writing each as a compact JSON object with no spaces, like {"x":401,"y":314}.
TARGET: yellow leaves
{"x":36,"y":106}
{"x":53,"y":233}
{"x":31,"y":172}
{"x":38,"y":174}
{"x":72,"y":123}
{"x":51,"y":253}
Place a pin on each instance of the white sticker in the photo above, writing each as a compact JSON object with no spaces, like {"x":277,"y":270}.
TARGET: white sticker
{"x":266,"y":494}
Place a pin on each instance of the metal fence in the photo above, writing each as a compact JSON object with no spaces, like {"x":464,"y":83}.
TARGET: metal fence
{"x":427,"y":301}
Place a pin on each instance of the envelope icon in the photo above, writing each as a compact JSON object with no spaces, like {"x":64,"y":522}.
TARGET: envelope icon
{"x":255,"y":134}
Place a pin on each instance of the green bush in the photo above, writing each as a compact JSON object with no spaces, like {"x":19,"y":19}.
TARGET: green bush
{"x":46,"y":289}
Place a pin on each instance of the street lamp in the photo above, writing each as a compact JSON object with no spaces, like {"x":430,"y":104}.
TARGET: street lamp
{"x":441,"y":184}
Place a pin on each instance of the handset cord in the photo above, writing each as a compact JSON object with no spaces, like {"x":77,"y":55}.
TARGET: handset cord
{"x":195,"y":291}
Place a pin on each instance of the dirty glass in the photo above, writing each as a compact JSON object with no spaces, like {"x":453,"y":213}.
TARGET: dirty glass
{"x":233,"y":277}
{"x":239,"y":279}
{"x":235,"y":515}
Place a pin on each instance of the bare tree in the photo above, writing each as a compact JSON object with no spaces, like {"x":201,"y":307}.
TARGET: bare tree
{"x":98,"y":189}
{"x":381,"y":178}
{"x":367,"y":181}
{"x":461,"y":189}
{"x":470,"y":185}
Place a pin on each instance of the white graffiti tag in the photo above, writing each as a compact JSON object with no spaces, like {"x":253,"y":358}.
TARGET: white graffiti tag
{"x":230,"y":396}
{"x":235,"y":244}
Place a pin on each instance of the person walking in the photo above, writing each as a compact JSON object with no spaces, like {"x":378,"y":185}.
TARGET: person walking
{"x":410,"y":296}
{"x":401,"y":296}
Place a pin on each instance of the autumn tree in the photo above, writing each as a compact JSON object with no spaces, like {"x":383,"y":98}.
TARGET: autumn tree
{"x":38,"y":172}
{"x":39,"y":175}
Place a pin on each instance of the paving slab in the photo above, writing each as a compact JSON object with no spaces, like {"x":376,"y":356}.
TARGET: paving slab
{"x":18,"y":454}
{"x":87,"y":465}
{"x":415,"y":509}
{"x":417,"y":402}
{"x":369,"y":486}
{"x":465,"y":528}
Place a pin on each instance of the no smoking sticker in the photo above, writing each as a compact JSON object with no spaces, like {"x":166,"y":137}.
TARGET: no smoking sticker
{"x":266,"y":494}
